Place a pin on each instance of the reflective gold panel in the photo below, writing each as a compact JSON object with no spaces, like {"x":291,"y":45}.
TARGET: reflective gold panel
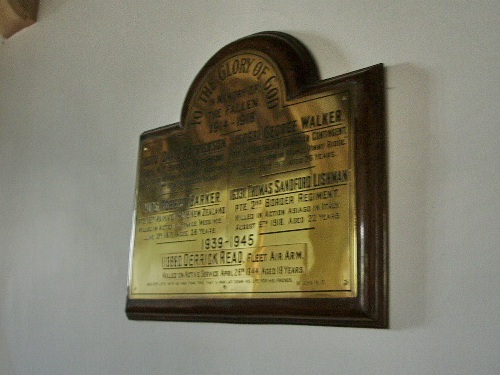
{"x":252,"y":197}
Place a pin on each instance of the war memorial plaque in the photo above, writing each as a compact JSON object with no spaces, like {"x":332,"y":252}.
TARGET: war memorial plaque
{"x":267,"y":202}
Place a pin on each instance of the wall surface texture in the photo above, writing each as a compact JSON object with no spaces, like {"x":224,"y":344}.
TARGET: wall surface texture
{"x":77,"y":89}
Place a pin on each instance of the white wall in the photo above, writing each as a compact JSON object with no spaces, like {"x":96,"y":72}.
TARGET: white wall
{"x":78,"y":88}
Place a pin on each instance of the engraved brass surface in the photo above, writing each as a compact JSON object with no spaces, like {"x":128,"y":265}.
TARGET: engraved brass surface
{"x":253,"y":197}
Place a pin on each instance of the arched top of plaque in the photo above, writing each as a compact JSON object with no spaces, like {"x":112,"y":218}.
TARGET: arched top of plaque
{"x":274,"y":63}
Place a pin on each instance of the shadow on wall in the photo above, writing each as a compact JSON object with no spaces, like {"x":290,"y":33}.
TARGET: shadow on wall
{"x":408,"y":122}
{"x":325,"y":54}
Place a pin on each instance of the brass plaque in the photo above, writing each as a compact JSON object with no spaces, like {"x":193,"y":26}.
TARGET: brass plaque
{"x":253,"y":196}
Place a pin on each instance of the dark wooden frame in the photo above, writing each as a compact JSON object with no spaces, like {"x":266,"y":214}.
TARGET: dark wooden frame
{"x":370,"y":307}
